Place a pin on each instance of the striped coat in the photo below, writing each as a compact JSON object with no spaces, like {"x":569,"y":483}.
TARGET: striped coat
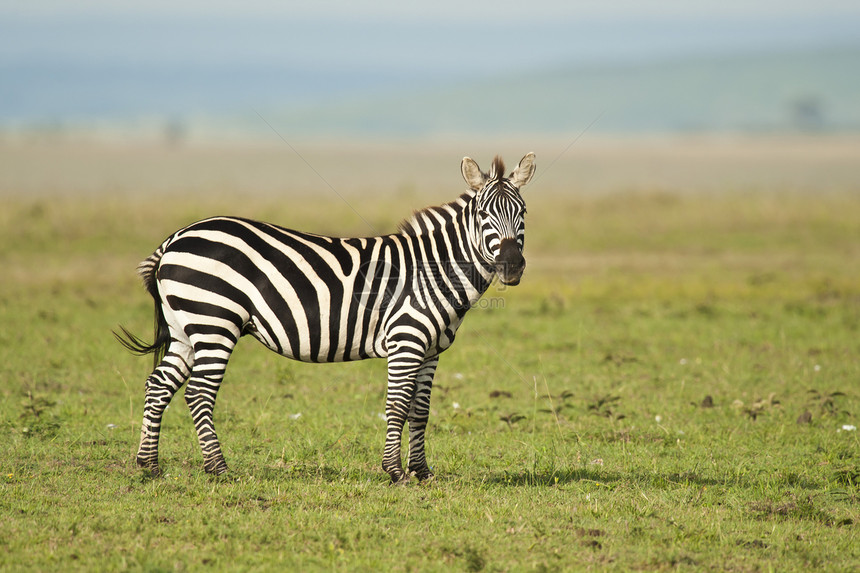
{"x":324,"y":299}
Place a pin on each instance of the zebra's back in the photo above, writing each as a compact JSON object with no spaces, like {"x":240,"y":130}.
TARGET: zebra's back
{"x":309,"y":297}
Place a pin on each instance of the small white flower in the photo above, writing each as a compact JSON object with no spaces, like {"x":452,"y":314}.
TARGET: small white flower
{"x":381,"y":416}
{"x":849,"y":428}
{"x":817,"y":367}
{"x":295,"y":416}
{"x":682,"y":361}
{"x":456,"y":405}
{"x":658,"y":418}
{"x":111,"y":426}
{"x":458,"y":376}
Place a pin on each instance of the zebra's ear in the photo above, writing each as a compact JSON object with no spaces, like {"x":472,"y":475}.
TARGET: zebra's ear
{"x":472,"y":174}
{"x":524,"y":171}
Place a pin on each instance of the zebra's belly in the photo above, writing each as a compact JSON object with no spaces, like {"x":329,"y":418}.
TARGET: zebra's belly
{"x":321,"y":340}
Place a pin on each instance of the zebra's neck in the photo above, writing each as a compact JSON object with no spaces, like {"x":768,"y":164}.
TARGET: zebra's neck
{"x":453,"y":229}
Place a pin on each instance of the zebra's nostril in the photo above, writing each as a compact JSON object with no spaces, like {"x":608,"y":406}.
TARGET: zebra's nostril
{"x":510,"y":254}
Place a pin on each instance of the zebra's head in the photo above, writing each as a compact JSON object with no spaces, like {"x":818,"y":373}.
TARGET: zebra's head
{"x":498,"y":211}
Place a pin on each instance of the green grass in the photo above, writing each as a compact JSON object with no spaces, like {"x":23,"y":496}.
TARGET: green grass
{"x":570,"y":430}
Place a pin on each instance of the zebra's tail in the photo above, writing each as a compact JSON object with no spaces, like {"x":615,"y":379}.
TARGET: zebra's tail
{"x":147,"y":270}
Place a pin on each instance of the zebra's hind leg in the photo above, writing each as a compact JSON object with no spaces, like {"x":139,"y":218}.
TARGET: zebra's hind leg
{"x":419,"y":411}
{"x":402,"y":373}
{"x":200,"y":394}
{"x":161,"y":386}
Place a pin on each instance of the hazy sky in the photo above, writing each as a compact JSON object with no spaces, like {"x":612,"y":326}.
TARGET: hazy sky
{"x":480,"y":10}
{"x":392,"y":34}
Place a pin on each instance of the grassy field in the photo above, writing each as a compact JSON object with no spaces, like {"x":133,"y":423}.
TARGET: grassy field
{"x":674,"y":386}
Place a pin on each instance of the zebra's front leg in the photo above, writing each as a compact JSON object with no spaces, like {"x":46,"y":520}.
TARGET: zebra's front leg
{"x":161,"y":386}
{"x":403,"y":370}
{"x":419,"y":411}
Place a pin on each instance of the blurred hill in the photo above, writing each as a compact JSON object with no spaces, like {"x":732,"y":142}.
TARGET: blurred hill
{"x":808,"y":91}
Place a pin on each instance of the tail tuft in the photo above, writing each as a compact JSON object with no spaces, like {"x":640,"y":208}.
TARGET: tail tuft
{"x":146,"y":269}
{"x":136,"y":345}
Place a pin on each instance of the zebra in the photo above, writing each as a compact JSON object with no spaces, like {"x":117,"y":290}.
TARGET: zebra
{"x":314,"y":298}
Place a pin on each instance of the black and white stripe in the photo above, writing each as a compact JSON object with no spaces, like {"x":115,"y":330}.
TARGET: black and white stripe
{"x":324,"y":299}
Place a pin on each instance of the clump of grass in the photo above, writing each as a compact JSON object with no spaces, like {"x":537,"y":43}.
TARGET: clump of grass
{"x":605,"y":406}
{"x":825,"y":403}
{"x":36,"y":418}
{"x":847,"y":475}
{"x":795,"y":508}
{"x":758,"y":407}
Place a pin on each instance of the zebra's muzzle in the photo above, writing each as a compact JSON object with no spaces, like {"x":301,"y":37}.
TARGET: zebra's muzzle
{"x":510,"y":262}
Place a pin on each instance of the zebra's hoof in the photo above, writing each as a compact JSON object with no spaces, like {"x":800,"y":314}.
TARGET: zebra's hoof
{"x":152,"y":472}
{"x":423,"y":474}
{"x":215,"y":466}
{"x":150,"y":468}
{"x":400,"y":478}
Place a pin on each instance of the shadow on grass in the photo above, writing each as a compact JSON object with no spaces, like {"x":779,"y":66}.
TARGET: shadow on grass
{"x":610,"y":479}
{"x":311,"y":472}
{"x":595,"y":475}
{"x":550,"y":478}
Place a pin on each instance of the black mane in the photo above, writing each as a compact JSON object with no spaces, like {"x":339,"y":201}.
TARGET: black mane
{"x":407,"y":226}
{"x":497,"y":170}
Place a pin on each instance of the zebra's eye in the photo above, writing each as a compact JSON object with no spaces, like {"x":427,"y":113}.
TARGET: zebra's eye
{"x":483,"y":214}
